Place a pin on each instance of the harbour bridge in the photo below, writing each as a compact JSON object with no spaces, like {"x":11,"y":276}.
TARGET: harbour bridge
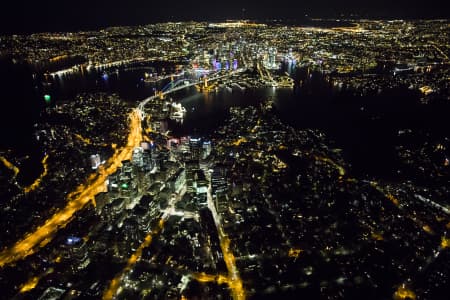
{"x":183,"y":83}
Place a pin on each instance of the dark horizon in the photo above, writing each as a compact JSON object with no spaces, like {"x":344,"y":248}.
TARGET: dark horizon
{"x":53,"y":16}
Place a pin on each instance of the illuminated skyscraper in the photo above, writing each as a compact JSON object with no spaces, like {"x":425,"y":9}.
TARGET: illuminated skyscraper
{"x":235,"y":64}
{"x":271,"y":59}
{"x":195,"y":147}
{"x":206,"y":149}
{"x":138,"y":157}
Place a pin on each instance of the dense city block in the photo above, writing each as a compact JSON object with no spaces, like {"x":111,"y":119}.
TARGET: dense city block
{"x":233,"y":160}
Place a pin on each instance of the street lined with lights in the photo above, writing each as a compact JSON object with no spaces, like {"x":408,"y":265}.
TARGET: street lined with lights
{"x":76,"y":200}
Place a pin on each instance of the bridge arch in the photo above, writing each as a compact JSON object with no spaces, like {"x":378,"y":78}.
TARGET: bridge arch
{"x":176,"y":83}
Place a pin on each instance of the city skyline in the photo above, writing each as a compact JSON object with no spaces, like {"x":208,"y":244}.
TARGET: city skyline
{"x":18,"y":17}
{"x":266,"y":151}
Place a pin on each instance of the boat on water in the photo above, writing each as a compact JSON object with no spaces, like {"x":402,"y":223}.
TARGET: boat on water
{"x":176,"y":115}
{"x":177,"y":112}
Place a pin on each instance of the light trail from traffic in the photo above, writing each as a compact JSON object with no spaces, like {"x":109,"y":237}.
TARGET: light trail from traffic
{"x":77,"y":199}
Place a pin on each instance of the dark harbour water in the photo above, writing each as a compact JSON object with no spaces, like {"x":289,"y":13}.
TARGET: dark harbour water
{"x":364,"y":127}
{"x":22,"y":100}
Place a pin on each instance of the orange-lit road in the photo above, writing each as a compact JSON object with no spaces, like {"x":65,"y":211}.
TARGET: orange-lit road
{"x":115,"y":283}
{"x":403,"y":292}
{"x":16,"y":171}
{"x":327,"y":160}
{"x":233,"y":280}
{"x":33,"y":282}
{"x":83,"y":139}
{"x":388,"y":195}
{"x":440,"y":51}
{"x":425,"y":227}
{"x":9,"y":165}
{"x":75,"y":200}
{"x":30,"y":284}
{"x":203,"y":277}
{"x":38,"y":181}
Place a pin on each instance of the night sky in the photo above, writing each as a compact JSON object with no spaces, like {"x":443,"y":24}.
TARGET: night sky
{"x":48,"y":15}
